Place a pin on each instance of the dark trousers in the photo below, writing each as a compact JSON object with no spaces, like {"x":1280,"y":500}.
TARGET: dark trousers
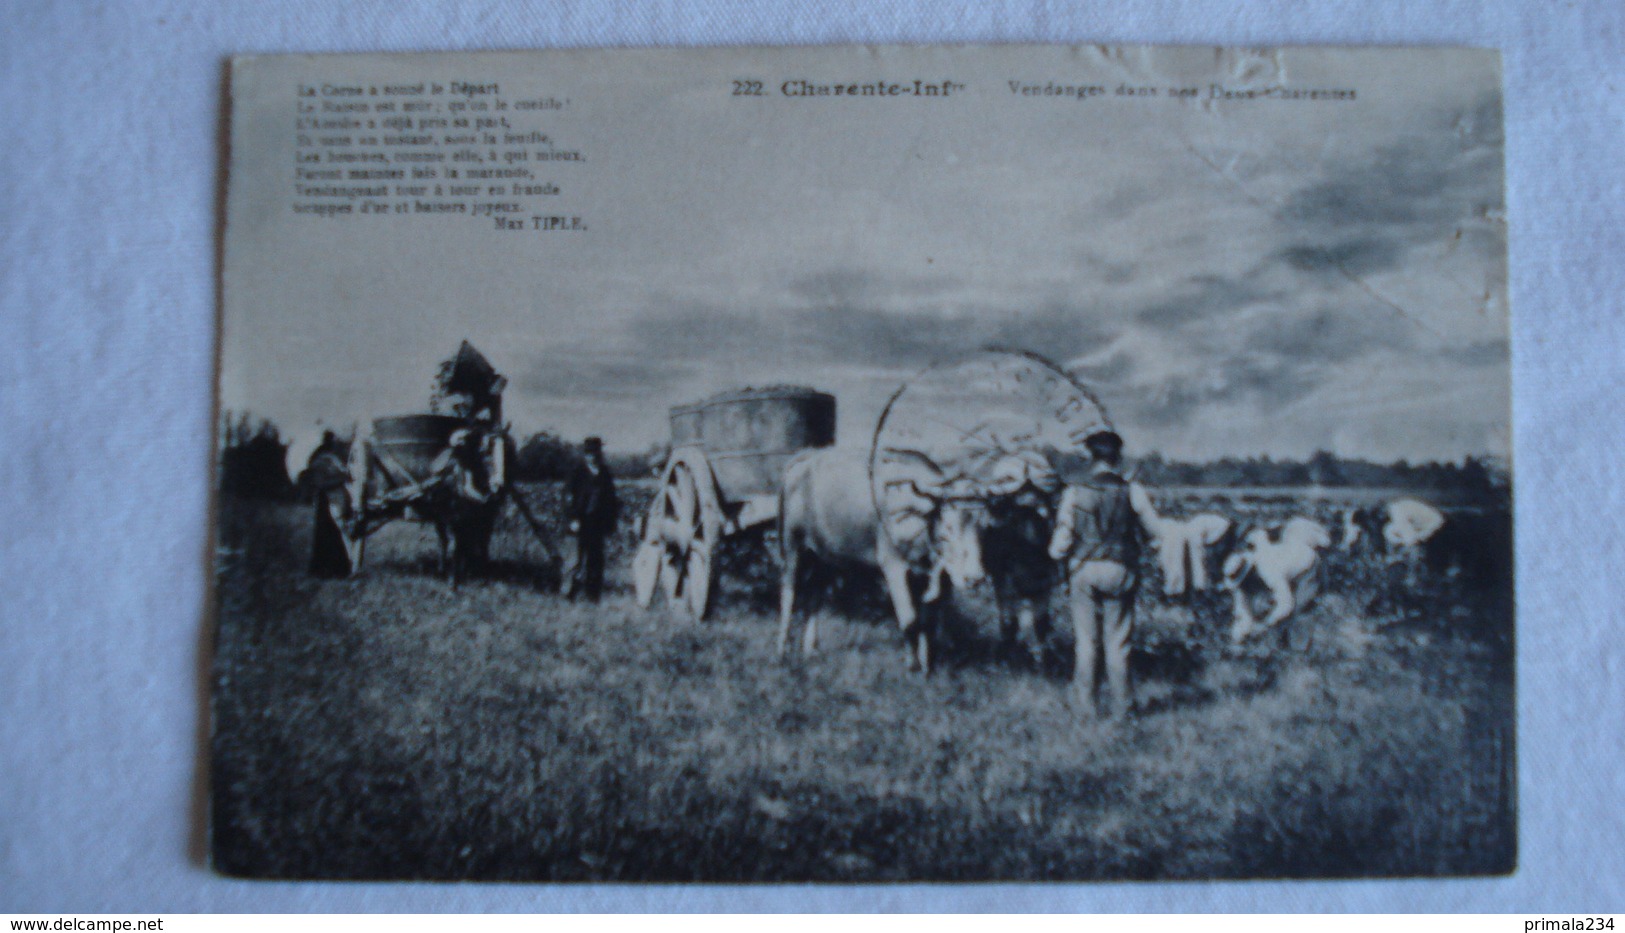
{"x":586,"y":566}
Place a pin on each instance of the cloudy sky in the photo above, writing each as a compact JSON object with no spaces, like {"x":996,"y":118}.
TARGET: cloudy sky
{"x":1229,"y":277}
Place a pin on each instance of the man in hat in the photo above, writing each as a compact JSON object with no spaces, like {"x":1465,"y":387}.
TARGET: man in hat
{"x":1097,"y":543}
{"x":593,"y":509}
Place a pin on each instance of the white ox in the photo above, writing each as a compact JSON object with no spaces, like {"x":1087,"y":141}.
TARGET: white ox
{"x":1182,"y":545}
{"x":929,"y":545}
{"x":1286,"y":567}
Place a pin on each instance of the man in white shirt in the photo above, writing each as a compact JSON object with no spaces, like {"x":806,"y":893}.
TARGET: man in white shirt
{"x":1097,"y":541}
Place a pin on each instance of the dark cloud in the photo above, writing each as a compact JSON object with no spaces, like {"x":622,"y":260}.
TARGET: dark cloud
{"x":1252,"y":339}
{"x":1282,"y":354}
{"x":862,"y":286}
{"x":577,"y":374}
{"x":1265,"y":381}
{"x":1364,"y":214}
{"x":1349,"y":257}
{"x":1207,"y":299}
{"x":1261,"y":338}
{"x":1446,"y":171}
{"x":851,"y":333}
{"x":689,"y":330}
{"x":1057,"y":329}
{"x":1328,"y":335}
{"x":1399,"y":186}
{"x":1095,"y":269}
{"x":841,"y":333}
{"x":863,"y":319}
{"x":1172,"y":312}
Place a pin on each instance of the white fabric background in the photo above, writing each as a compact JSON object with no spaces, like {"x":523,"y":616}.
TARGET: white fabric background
{"x":111,"y":121}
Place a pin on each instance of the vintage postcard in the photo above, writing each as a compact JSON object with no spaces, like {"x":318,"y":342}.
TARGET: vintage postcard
{"x":865,"y":464}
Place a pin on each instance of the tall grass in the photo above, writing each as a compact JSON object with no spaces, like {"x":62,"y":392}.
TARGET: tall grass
{"x":389,"y":727}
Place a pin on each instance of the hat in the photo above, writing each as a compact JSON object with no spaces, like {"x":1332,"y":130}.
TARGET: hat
{"x":593,"y":444}
{"x":1105,"y":437}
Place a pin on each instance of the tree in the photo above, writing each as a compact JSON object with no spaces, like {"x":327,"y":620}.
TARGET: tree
{"x":1291,"y":473}
{"x":1476,"y":478}
{"x":1326,"y":469}
{"x":253,"y":458}
{"x":1153,"y":469}
{"x":545,"y":456}
{"x":639,"y":464}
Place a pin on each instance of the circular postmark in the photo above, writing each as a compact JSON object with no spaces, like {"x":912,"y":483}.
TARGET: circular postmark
{"x":973,"y":427}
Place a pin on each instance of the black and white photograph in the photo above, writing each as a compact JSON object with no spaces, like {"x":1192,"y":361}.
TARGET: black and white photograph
{"x":864,"y":464}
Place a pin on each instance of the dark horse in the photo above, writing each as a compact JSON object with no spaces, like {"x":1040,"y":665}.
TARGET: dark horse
{"x":463,"y":496}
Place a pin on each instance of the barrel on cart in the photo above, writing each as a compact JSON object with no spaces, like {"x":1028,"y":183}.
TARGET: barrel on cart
{"x":392,"y":474}
{"x":722,"y":480}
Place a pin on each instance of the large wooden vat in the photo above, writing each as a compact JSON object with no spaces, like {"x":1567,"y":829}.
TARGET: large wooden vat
{"x":748,"y":435}
{"x":414,"y":441}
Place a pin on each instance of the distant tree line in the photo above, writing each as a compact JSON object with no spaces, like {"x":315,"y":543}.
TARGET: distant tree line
{"x":253,"y":458}
{"x":1473,"y":475}
{"x":548,"y":456}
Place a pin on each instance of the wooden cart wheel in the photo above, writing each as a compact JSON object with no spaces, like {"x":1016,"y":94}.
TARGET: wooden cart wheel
{"x":680,"y":536}
{"x":696,"y":585}
{"x":646,"y":570}
{"x":359,"y":469}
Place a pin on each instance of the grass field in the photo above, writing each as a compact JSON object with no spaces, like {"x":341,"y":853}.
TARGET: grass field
{"x":390,"y":727}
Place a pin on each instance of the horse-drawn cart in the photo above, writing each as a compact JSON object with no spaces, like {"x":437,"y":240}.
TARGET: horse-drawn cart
{"x":439,"y":469}
{"x":722,"y":479}
{"x":448,"y":468}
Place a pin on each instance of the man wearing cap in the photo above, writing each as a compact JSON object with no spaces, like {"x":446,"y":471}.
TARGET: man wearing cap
{"x":1097,"y":543}
{"x":593,"y":509}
